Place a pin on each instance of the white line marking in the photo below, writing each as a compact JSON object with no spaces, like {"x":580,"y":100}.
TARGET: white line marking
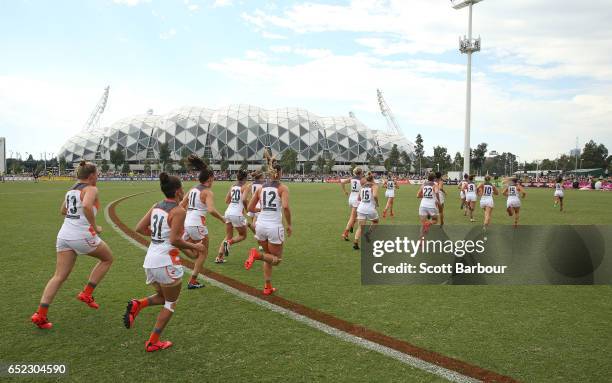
{"x":412,"y":361}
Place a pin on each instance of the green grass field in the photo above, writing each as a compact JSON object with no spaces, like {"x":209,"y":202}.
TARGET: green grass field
{"x":532,"y":333}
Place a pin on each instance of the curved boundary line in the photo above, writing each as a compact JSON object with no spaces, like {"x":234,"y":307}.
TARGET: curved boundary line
{"x":446,"y":367}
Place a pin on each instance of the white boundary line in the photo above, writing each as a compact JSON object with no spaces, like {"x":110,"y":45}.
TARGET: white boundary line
{"x":412,"y":361}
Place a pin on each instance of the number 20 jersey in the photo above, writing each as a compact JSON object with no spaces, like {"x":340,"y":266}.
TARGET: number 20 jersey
{"x":270,"y":205}
{"x":76,"y":225}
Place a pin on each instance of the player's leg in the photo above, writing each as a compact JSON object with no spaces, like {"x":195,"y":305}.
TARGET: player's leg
{"x":560,"y":203}
{"x":272,"y":257}
{"x":105,"y":259}
{"x":471,"y":208}
{"x":360,"y":223}
{"x":223,"y":248}
{"x":350,"y":223}
{"x":171,"y":294}
{"x":63,"y":266}
{"x":240,"y":237}
{"x":198,"y":266}
{"x":516,"y":216}
{"x":135,"y":305}
{"x":441,"y":214}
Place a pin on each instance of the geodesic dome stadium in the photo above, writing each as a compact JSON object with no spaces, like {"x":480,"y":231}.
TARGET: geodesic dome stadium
{"x":236,"y":133}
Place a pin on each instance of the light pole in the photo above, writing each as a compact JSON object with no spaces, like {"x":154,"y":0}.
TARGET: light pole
{"x":467,"y":46}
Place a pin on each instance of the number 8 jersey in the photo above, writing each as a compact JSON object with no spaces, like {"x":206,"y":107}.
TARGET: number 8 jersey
{"x":161,"y":252}
{"x":271,"y":205}
{"x":76,"y":225}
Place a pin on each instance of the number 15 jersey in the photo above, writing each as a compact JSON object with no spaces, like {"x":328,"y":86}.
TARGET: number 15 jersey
{"x":270,"y":205}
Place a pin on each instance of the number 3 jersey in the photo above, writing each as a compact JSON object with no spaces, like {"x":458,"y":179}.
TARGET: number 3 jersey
{"x":161,"y":253}
{"x":270,"y":205}
{"x":76,"y":225}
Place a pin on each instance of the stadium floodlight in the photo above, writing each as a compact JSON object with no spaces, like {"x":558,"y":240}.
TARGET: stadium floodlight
{"x":468,"y":46}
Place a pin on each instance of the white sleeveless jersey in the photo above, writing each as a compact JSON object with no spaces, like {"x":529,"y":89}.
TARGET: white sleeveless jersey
{"x":513,"y":192}
{"x":256,"y":185}
{"x":75,"y":224}
{"x":471,"y":189}
{"x":366,"y":203}
{"x":271,"y":205}
{"x":390,"y":185}
{"x":428,"y":200}
{"x":558,"y":186}
{"x":487,"y":192}
{"x":196,"y":209}
{"x":355,"y":187}
{"x":236,"y":205}
{"x":161,"y":252}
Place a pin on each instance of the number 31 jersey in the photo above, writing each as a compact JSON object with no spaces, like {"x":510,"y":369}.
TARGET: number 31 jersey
{"x":270,"y":204}
{"x":75,"y":224}
{"x":161,"y":252}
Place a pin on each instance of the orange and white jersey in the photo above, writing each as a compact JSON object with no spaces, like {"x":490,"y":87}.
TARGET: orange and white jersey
{"x":271,"y":212}
{"x":236,"y":206}
{"x":429,"y":199}
{"x":470,"y":188}
{"x":256,"y":185}
{"x":76,"y":225}
{"x":161,"y":252}
{"x":390,"y":184}
{"x":355,"y":186}
{"x":196,"y":209}
{"x":367,"y":204}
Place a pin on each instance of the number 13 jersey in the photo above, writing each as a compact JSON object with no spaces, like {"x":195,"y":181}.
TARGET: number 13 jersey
{"x":270,"y":205}
{"x":76,"y":225}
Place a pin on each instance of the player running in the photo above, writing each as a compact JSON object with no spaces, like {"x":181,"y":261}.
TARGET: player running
{"x":390,"y":184}
{"x":78,"y":235}
{"x":198,"y":202}
{"x":558,"y":196}
{"x":428,"y":209}
{"x":486,"y":191}
{"x":441,"y":196}
{"x":356,"y":181}
{"x":273,"y":199}
{"x":164,"y":222}
{"x":469,"y":190}
{"x":514,"y":191}
{"x":462,"y":194}
{"x":234,"y":219}
{"x":366,"y":210}
{"x":258,"y":180}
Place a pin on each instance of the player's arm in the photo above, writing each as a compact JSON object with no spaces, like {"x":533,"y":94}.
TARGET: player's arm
{"x":505,"y":191}
{"x":143,"y":226}
{"x":479,"y":189}
{"x":63,"y":208}
{"x":245,"y":195}
{"x":228,"y":196}
{"x":253,"y":203}
{"x":522,"y":191}
{"x":436,"y":190}
{"x":185,"y":201}
{"x":343,"y":182}
{"x":420,"y":192}
{"x":177,"y":218}
{"x":208,"y":198}
{"x":284,"y":194}
{"x":495,"y":191}
{"x":375,"y":193}
{"x":396,"y":184}
{"x":89,"y":199}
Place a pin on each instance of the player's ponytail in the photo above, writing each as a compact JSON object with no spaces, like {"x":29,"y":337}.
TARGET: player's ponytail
{"x":169,"y":184}
{"x":274,"y":169}
{"x":257,"y":174}
{"x":369,"y":177}
{"x":197,"y":164}
{"x":242,"y":175}
{"x":357,"y":171}
{"x":85,"y":169}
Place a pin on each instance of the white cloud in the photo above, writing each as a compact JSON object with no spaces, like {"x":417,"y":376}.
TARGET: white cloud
{"x":166,"y":35}
{"x":131,"y":3}
{"x":272,"y":36}
{"x":222,"y":3}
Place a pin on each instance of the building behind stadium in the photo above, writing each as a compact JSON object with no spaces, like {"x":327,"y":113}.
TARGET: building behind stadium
{"x":235,"y":133}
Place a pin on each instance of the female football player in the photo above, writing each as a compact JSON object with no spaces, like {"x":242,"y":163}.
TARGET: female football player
{"x":366,"y":210}
{"x":355,"y":182}
{"x":390,"y":184}
{"x":462,"y":193}
{"x":441,"y":196}
{"x":234,"y":219}
{"x":514,"y":191}
{"x":198,"y":202}
{"x":470,"y":196}
{"x":428,"y":209}
{"x":486,"y":191}
{"x":78,"y":235}
{"x":164,"y":222}
{"x":258,"y":180}
{"x":558,"y":196}
{"x":273,"y":199}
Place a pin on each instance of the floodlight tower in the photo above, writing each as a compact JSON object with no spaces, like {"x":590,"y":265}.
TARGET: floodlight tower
{"x":93,"y":122}
{"x":467,"y":46}
{"x":392,"y":125}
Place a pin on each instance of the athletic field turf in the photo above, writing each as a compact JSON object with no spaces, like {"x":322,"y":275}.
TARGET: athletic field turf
{"x":530,"y":333}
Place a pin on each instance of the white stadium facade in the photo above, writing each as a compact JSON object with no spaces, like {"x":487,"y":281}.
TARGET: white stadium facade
{"x":235,"y":133}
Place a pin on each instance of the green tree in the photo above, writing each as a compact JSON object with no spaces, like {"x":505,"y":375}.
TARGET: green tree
{"x":320,"y":164}
{"x":224,"y":164}
{"x":329,"y":164}
{"x":164,"y":155}
{"x":183,"y":163}
{"x":458,"y":161}
{"x":117,"y":158}
{"x":308,"y":167}
{"x":373,"y":160}
{"x":388,"y":165}
{"x":394,"y":157}
{"x":419,"y":151}
{"x":62,"y":164}
{"x":288,"y":161}
{"x":125,"y":169}
{"x":169,"y":167}
{"x":441,"y":158}
{"x":147,"y":167}
{"x":406,"y":161}
{"x":594,"y":156}
{"x":244,"y":165}
{"x":478,"y":156}
{"x":104,"y":166}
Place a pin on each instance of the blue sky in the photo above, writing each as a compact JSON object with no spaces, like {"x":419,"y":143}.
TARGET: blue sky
{"x":544,"y":75}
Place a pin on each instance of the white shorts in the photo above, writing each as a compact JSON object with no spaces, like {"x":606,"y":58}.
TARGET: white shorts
{"x":235,"y":220}
{"x":252,"y":215}
{"x":470,"y":197}
{"x":353,"y":201}
{"x":559,"y":193}
{"x":195,"y":233}
{"x":486,"y":202}
{"x":273,"y":234}
{"x":441,"y":198}
{"x":514,"y":202}
{"x":369,"y":216}
{"x":462,"y":194}
{"x":428,"y":211}
{"x":164,"y":275}
{"x":79,"y":246}
{"x":390,"y":193}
